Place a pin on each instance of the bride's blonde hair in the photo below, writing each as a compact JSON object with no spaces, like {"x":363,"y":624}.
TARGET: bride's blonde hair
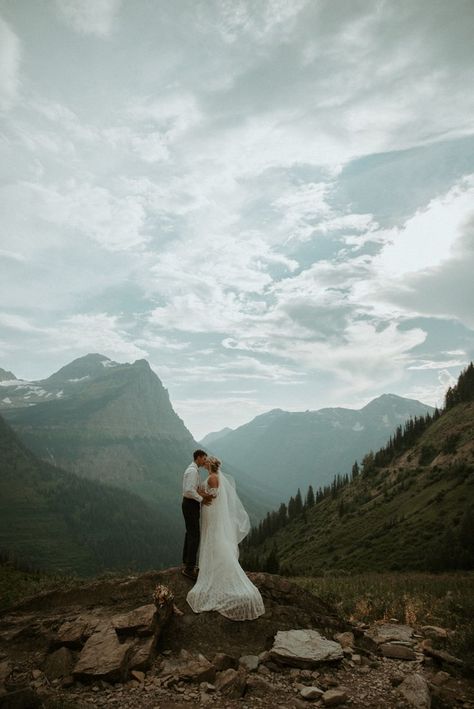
{"x":215,"y":464}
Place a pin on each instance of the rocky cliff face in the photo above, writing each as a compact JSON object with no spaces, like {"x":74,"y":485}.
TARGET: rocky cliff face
{"x":102,"y":420}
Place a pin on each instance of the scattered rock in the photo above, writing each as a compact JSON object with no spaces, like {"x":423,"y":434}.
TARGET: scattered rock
{"x":140,"y":621}
{"x":414,"y":689}
{"x":381,"y":633}
{"x":441,"y":678}
{"x":434,"y":631}
{"x":304,"y":648}
{"x":334,"y":697}
{"x":221,"y":662}
{"x":139,"y":676}
{"x":258,"y":686}
{"x":345,"y":639}
{"x":397,"y":652}
{"x":103,"y":657}
{"x":249,"y":662}
{"x":231,"y":683}
{"x":396,"y":679}
{"x":73,"y":633}
{"x":311,"y":693}
{"x":197,"y":670}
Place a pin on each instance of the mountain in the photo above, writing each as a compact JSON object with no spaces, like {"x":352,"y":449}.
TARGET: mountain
{"x":113,"y":423}
{"x":56,"y":521}
{"x":288,"y":450}
{"x":6,"y":376}
{"x":214,"y":436}
{"x":410,"y":506}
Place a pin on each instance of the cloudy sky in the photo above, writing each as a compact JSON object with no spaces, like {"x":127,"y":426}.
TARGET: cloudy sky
{"x":271,"y":201}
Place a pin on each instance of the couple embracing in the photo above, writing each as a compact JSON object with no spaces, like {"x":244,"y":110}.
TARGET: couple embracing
{"x":216,"y":522}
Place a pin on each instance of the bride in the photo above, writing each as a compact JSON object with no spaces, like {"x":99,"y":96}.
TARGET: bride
{"x":222,"y":584}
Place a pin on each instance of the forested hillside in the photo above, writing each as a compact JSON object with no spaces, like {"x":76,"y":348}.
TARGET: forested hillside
{"x":409,"y":505}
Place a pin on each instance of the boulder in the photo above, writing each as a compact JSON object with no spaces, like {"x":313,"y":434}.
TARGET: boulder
{"x":59,"y":664}
{"x":140,"y":621}
{"x":188,"y":668}
{"x":434,"y":631}
{"x":397,"y":652}
{"x":73,"y":633}
{"x":345,"y":639}
{"x":258,"y":686}
{"x":103,"y":657}
{"x":142,"y":653}
{"x":311,"y":693}
{"x":334,"y":697}
{"x":304,"y":648}
{"x":380,"y":633}
{"x":231,"y":683}
{"x":249,"y":662}
{"x":198,"y":670}
{"x":415,"y":691}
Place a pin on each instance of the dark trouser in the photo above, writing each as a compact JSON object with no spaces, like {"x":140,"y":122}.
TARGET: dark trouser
{"x":191,"y":513}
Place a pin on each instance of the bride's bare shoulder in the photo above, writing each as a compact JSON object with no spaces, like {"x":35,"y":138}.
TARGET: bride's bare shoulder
{"x":213,"y":480}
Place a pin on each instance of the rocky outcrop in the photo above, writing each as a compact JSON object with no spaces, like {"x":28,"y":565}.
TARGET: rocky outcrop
{"x":104,"y":643}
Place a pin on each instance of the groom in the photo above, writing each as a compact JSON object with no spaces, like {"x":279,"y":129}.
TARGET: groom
{"x":192,"y":499}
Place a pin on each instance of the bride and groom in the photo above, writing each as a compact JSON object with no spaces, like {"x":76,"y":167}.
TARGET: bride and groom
{"x":216,"y":521}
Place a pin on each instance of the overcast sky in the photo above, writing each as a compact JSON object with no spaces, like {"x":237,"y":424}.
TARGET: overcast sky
{"x":271,"y":201}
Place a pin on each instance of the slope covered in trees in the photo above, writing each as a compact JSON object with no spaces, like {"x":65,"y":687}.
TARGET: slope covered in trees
{"x":409,"y":505}
{"x":58,"y":521}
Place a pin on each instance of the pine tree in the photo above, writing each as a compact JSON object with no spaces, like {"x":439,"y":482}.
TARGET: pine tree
{"x":309,"y":502}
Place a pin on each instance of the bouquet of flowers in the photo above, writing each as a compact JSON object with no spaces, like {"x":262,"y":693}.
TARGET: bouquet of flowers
{"x":162,"y":595}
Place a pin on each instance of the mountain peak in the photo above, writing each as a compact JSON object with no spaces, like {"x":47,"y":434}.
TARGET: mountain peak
{"x":6,"y":376}
{"x":89,"y":365}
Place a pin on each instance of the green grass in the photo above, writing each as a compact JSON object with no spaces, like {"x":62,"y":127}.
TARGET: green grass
{"x":418,"y":599}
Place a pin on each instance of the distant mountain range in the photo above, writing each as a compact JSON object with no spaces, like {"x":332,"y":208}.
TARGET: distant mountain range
{"x":408,"y":507}
{"x":287,"y":450}
{"x":113,"y":425}
{"x":214,"y":436}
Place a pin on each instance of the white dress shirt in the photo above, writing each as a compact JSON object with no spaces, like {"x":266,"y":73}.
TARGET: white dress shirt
{"x":191,"y":482}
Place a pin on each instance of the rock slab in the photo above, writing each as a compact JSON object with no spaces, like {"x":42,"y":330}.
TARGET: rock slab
{"x":415,"y":691}
{"x":140,"y":621}
{"x":103,"y":657}
{"x":304,"y":648}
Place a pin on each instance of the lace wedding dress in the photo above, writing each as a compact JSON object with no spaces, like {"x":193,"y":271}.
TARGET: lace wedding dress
{"x":222,"y":584}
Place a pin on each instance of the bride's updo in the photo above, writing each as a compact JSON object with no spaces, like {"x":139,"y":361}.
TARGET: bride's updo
{"x":214,"y":464}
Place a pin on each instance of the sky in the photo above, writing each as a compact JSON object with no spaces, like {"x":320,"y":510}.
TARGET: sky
{"x":271,"y":201}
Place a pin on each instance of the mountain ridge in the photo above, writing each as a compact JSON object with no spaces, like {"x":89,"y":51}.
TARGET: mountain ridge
{"x":295,"y":448}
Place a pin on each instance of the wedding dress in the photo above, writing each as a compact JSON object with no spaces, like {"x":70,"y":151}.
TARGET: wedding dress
{"x":222,"y":584}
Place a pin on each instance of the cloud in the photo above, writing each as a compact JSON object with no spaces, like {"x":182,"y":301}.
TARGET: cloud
{"x":95,"y":17}
{"x":427,"y":266}
{"x":97,"y":332}
{"x":115,"y":222}
{"x":10,"y":57}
